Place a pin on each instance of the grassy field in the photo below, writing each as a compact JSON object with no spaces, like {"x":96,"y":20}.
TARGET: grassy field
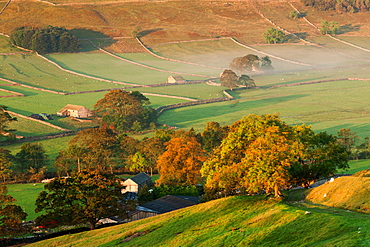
{"x":234,"y":221}
{"x":26,"y":195}
{"x":52,"y":148}
{"x":35,"y":71}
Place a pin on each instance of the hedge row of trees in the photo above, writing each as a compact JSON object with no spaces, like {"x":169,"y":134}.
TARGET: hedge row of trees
{"x":45,"y":40}
{"x":257,"y":154}
{"x":339,"y":5}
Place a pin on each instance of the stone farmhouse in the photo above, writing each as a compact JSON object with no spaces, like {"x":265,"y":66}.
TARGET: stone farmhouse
{"x":76,"y":111}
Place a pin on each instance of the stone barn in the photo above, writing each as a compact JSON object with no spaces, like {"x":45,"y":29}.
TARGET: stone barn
{"x":175,"y":79}
{"x":137,"y":182}
{"x":76,"y":111}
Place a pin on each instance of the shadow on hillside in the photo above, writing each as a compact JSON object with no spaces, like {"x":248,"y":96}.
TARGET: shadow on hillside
{"x":100,"y":39}
{"x":348,"y":28}
{"x":302,"y":35}
{"x":147,"y":32}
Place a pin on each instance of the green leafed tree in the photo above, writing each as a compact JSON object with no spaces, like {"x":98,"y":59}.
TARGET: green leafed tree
{"x":31,"y":158}
{"x":5,"y":119}
{"x":123,"y":110}
{"x":84,"y":198}
{"x":274,"y":36}
{"x":229,"y":79}
{"x":248,"y":64}
{"x":11,"y":215}
{"x":246,"y":81}
{"x":329,"y":27}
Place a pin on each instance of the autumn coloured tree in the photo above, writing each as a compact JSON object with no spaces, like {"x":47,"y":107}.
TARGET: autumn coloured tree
{"x":71,"y":159}
{"x":98,"y":149}
{"x":150,"y":149}
{"x":84,"y":198}
{"x":262,"y":153}
{"x":11,"y":215}
{"x":5,"y":164}
{"x":180,"y":164}
{"x":254,"y":156}
{"x":125,"y":111}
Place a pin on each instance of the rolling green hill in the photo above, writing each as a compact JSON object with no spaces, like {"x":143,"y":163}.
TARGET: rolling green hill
{"x":235,"y":221}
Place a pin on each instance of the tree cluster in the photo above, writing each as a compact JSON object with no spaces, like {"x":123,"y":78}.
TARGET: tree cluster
{"x":339,"y":5}
{"x":28,"y":165}
{"x":262,"y":153}
{"x":244,"y":67}
{"x":329,"y":27}
{"x":45,"y":40}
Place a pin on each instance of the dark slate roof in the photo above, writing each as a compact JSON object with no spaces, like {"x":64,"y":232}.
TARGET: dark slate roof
{"x":141,"y":178}
{"x":166,"y":204}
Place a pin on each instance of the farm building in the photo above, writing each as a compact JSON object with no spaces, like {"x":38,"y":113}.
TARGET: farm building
{"x":76,"y":111}
{"x":175,"y":79}
{"x":162,"y":205}
{"x":137,"y":182}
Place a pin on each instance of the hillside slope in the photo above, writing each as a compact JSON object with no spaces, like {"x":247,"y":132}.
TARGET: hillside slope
{"x":233,"y":221}
{"x":345,"y":192}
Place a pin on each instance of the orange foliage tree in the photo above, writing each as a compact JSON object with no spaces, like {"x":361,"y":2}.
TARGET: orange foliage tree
{"x":262,"y":153}
{"x":180,"y":164}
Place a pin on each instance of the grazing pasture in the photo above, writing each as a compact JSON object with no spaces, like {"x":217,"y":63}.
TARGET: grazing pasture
{"x":26,"y":195}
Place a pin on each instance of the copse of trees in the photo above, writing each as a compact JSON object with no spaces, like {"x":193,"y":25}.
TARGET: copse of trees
{"x":339,"y":5}
{"x":45,"y":40}
{"x":329,"y":27}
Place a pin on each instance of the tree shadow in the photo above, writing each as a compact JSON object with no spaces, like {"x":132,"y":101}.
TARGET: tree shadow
{"x":98,"y":38}
{"x":348,"y":28}
{"x":147,"y":32}
{"x":302,"y":35}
